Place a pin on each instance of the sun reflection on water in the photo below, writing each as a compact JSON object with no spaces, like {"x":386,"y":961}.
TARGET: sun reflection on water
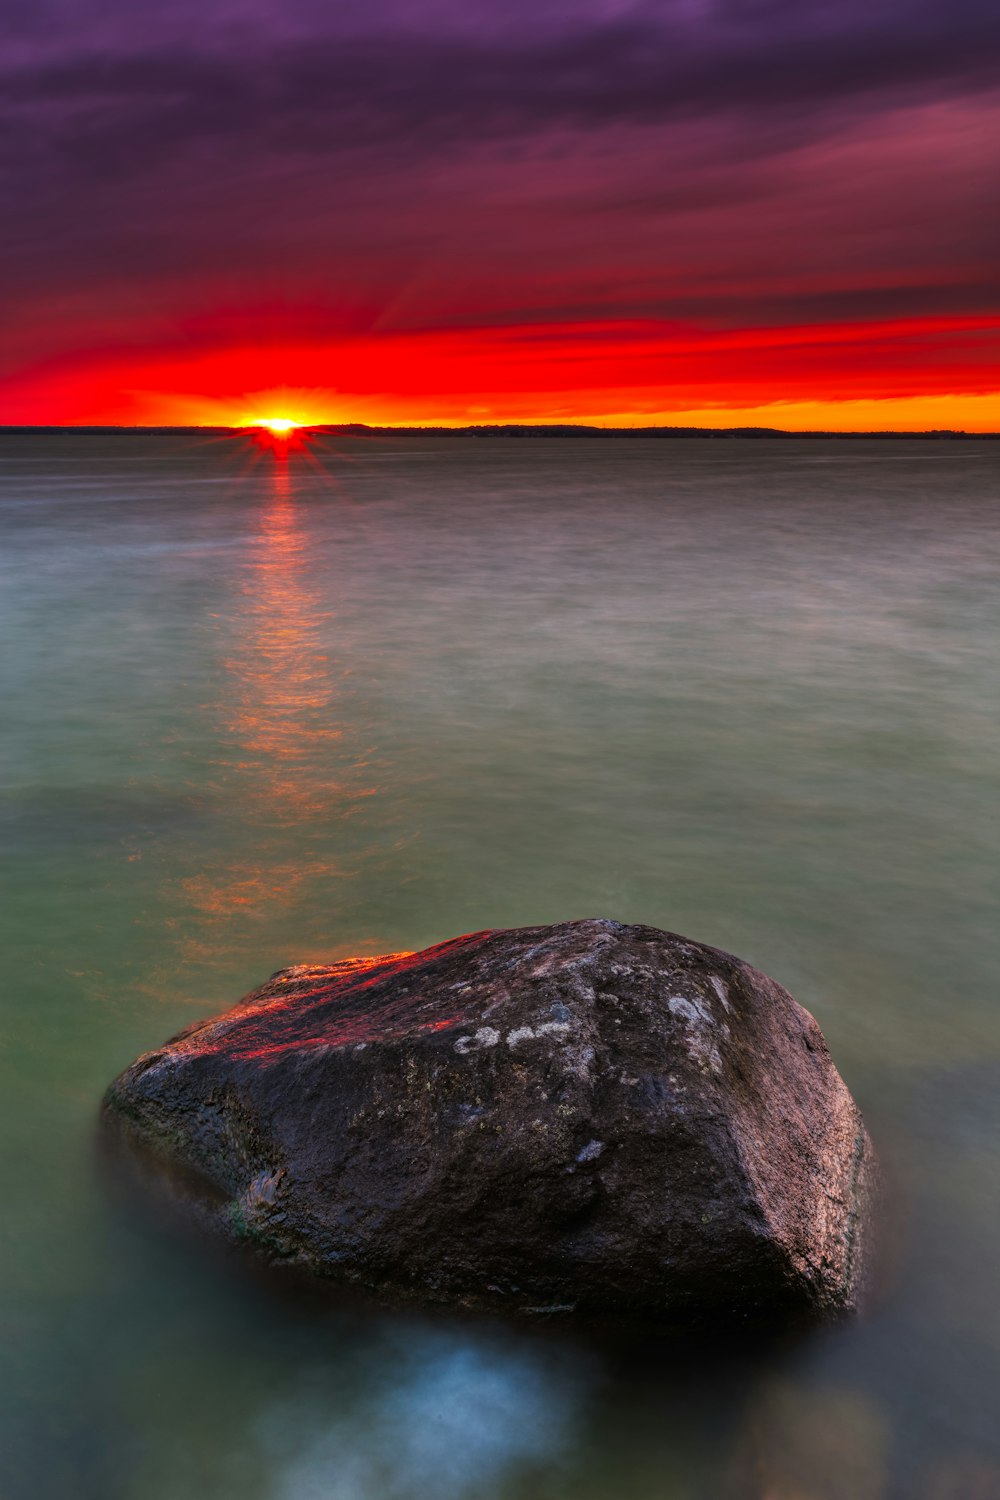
{"x":282,"y":715}
{"x":283,"y":766}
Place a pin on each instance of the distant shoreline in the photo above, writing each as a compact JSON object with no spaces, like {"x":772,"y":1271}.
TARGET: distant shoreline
{"x":509,"y":430}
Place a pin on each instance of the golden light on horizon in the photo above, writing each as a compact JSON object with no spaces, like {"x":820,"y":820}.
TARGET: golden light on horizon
{"x":280,"y":426}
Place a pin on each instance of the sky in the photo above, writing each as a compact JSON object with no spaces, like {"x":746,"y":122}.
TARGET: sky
{"x":708,"y":212}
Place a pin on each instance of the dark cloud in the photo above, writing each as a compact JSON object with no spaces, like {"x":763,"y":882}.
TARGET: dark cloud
{"x":125,"y":105}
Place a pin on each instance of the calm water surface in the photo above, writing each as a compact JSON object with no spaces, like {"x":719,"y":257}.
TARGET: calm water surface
{"x":260,"y":711}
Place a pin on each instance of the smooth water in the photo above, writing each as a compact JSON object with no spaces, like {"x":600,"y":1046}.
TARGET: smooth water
{"x":260,"y":710}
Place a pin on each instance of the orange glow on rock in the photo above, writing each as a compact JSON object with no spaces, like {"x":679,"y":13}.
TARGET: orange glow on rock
{"x":329,"y":1005}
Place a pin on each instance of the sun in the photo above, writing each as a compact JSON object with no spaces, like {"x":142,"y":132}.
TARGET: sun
{"x":280,"y":426}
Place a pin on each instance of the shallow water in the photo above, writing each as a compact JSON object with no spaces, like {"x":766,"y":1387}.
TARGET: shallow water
{"x":263,"y":710}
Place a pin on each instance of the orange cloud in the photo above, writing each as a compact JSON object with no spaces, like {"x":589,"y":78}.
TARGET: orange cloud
{"x":904,"y":373}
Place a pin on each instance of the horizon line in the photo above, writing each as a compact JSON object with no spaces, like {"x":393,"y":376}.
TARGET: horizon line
{"x":550,"y":429}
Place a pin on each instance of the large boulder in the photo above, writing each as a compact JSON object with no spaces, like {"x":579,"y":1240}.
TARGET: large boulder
{"x":591,"y":1117}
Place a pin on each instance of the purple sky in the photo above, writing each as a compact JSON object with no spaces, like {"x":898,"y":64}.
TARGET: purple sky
{"x":194,"y":178}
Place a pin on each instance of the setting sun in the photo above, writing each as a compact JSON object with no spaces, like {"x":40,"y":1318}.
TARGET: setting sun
{"x":280,"y":426}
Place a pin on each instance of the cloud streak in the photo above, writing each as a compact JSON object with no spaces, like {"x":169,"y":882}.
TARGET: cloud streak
{"x":410,"y":89}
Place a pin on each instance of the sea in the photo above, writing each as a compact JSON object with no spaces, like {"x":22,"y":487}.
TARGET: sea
{"x":267,"y":703}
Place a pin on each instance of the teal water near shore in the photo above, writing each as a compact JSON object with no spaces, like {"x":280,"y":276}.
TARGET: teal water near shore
{"x":262,"y":708}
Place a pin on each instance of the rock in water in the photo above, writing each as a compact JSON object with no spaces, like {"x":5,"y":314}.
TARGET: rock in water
{"x":590,"y":1117}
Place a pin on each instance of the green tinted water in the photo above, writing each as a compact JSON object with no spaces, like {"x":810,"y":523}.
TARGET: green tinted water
{"x":260,"y":711}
